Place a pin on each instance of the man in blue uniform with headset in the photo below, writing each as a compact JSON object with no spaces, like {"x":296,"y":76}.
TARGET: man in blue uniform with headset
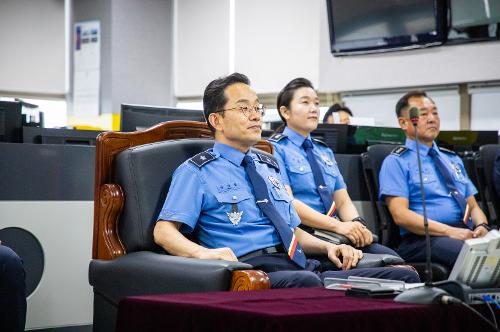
{"x":234,"y":201}
{"x":452,"y":210}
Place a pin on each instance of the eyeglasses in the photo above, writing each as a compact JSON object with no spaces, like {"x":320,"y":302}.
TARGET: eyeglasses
{"x":247,"y":110}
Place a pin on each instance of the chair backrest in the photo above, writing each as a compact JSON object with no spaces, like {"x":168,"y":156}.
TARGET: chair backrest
{"x":144,"y":173}
{"x":372,"y":160}
{"x":133,"y":173}
{"x":484,"y":169}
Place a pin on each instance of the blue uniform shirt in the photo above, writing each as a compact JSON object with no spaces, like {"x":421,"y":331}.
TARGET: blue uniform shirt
{"x":399,"y":177}
{"x":297,"y":172}
{"x":204,"y":197}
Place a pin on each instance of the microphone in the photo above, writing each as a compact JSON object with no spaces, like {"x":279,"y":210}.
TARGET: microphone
{"x":426,"y":294}
{"x":414,"y":116}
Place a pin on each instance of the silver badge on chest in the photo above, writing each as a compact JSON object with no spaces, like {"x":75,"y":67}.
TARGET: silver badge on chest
{"x":235,"y":215}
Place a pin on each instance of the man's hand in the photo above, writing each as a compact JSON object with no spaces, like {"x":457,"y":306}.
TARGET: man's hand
{"x":219,"y":253}
{"x":349,"y":255}
{"x":356,"y":232}
{"x":460,"y":233}
{"x":480,"y":232}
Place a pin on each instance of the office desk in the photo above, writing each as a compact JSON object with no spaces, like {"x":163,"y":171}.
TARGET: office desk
{"x":304,"y":309}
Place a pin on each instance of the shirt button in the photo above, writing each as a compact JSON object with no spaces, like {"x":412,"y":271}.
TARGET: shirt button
{"x":425,"y":179}
{"x":301,"y":168}
{"x":235,"y":198}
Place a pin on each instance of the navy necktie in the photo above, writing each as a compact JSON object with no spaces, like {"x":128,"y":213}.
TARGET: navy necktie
{"x":319,"y":180}
{"x":445,"y":172}
{"x":266,"y":206}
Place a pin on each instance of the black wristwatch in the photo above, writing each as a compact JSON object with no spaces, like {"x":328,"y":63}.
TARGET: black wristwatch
{"x":488,"y":227}
{"x":360,"y":220}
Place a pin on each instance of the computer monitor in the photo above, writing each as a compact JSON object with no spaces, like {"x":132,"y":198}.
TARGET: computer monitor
{"x":360,"y":137}
{"x":36,"y":135}
{"x":334,"y":135}
{"x":11,"y":121}
{"x":478,"y":263}
{"x":139,"y":117}
{"x":465,"y":142}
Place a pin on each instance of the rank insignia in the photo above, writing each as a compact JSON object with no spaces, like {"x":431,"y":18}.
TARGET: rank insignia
{"x":398,"y":151}
{"x":326,"y":160}
{"x":275,"y":181}
{"x":235,"y":215}
{"x":457,"y":170}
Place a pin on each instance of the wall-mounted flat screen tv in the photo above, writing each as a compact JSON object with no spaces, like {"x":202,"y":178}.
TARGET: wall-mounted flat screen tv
{"x":368,"y":26}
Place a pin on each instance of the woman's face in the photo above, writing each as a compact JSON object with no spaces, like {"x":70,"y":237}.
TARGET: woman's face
{"x":303,"y":113}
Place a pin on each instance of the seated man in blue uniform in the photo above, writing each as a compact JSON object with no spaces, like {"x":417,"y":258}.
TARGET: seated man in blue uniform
{"x":234,"y":201}
{"x":310,"y":171}
{"x":12,"y":291}
{"x":452,"y":210}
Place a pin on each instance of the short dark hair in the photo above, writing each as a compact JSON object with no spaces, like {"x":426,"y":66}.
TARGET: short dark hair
{"x":336,"y":108}
{"x":403,"y":101}
{"x":214,"y":98}
{"x":286,"y":94}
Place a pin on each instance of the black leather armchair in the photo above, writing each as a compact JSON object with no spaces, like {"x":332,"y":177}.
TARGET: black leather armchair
{"x":388,"y":231}
{"x":484,"y":170}
{"x":132,"y":179}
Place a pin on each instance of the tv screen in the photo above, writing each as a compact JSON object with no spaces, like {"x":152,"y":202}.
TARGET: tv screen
{"x":367,"y":26}
{"x":474,"y":21}
{"x":139,"y":117}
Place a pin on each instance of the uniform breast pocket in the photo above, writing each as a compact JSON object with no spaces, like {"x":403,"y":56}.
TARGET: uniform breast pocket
{"x":282,"y":201}
{"x":427,"y":177}
{"x":236,"y":206}
{"x":300,"y":168}
{"x":332,"y":170}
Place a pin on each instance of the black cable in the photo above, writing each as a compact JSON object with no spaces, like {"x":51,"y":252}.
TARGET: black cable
{"x":450,"y":299}
{"x":488,"y":304}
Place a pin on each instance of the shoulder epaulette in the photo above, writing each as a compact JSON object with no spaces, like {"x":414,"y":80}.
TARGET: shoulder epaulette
{"x":445,"y":150}
{"x":202,"y":158}
{"x":317,"y":140}
{"x":399,"y":151}
{"x":267,"y":159}
{"x":276,"y":137}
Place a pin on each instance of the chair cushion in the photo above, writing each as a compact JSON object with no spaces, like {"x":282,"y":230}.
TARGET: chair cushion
{"x":145,"y":172}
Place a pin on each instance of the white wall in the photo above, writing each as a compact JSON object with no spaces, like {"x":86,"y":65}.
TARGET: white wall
{"x":485,"y":108}
{"x":141,"y":52}
{"x":381,"y":107}
{"x":32,"y":46}
{"x":201,"y":44}
{"x":275,"y":41}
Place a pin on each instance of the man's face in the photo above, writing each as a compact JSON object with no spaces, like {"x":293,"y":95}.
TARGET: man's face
{"x":235,"y":128}
{"x":428,"y":122}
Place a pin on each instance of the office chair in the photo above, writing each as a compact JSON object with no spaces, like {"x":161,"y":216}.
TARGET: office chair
{"x":484,"y":171}
{"x":133,"y":174}
{"x":388,"y":230}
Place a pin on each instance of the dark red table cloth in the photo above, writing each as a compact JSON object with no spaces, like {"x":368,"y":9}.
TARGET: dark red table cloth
{"x":299,"y":309}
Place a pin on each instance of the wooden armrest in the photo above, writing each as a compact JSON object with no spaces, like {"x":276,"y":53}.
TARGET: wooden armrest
{"x":245,"y":280}
{"x":111,"y":205}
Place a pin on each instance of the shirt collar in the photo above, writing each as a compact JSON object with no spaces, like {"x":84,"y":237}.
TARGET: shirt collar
{"x":229,"y":153}
{"x":424,"y":149}
{"x":295,"y":137}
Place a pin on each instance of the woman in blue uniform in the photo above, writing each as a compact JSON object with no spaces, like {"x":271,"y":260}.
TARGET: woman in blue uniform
{"x":311,"y":172}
